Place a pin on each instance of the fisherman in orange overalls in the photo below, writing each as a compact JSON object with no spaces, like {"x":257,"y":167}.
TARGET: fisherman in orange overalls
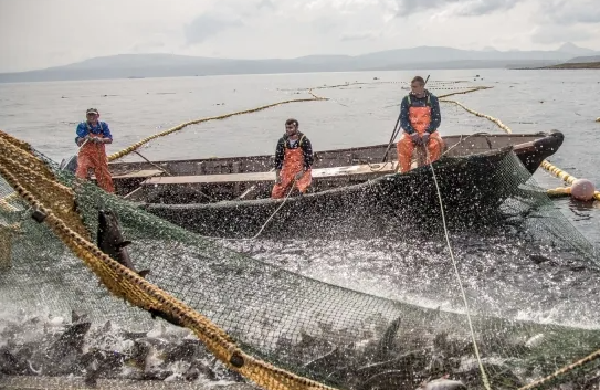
{"x":420,"y":118}
{"x":293,"y":161}
{"x":92,"y":135}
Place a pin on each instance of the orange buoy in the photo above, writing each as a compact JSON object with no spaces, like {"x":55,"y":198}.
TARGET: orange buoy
{"x":582,"y":189}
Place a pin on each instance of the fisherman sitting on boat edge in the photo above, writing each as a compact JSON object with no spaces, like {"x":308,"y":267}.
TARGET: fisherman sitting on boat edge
{"x":293,"y":161}
{"x":420,"y":117}
{"x":91,"y":137}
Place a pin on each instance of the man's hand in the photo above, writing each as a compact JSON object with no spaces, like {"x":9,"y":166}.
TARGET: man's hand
{"x":278,"y":176}
{"x":425,"y":139}
{"x":416,"y":138}
{"x":299,"y":175}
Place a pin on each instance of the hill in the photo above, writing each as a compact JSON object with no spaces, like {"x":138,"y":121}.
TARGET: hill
{"x":584,"y":59}
{"x":418,"y":58}
{"x":564,"y":65}
{"x":575,"y":65}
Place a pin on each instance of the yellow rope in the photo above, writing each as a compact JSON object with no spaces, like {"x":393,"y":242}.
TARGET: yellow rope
{"x":556,"y":374}
{"x":463,"y":92}
{"x":389,"y":82}
{"x":497,"y":121}
{"x":564,"y":175}
{"x":144,"y":141}
{"x":124,"y":283}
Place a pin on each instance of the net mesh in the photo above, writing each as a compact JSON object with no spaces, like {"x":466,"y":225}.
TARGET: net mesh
{"x":283,"y":330}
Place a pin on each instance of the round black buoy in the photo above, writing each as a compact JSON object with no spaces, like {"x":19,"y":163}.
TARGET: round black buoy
{"x":38,"y":216}
{"x":236,"y":360}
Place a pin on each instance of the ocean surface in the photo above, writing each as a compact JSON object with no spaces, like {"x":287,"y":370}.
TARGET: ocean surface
{"x":46,"y":114}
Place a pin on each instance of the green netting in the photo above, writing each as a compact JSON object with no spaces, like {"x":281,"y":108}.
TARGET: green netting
{"x":342,"y":337}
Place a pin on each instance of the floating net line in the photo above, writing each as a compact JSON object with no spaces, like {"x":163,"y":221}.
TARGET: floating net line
{"x":314,"y":98}
{"x":276,"y":328}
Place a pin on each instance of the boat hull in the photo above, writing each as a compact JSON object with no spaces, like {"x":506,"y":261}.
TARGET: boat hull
{"x":470,"y":188}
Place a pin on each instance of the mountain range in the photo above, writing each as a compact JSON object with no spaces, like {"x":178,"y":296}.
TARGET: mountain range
{"x":418,"y":58}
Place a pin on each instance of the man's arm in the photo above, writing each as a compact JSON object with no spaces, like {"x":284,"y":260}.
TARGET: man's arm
{"x":80,"y":133}
{"x":404,"y":119}
{"x":279,"y":156}
{"x":436,"y":114}
{"x":108,"y":138}
{"x":309,"y":156}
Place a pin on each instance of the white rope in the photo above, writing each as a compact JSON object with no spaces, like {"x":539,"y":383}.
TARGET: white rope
{"x":276,"y":211}
{"x":83,"y":144}
{"x":483,"y":373}
{"x":263,"y":225}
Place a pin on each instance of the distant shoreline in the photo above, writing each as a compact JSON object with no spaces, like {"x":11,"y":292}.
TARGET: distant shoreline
{"x":565,"y":66}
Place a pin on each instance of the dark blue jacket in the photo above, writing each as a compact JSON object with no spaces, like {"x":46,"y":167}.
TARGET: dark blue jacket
{"x":427,"y":100}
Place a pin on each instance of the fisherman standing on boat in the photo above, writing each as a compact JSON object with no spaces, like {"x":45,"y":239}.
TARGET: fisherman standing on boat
{"x":420,"y":118}
{"x":293,"y":161}
{"x":91,"y":137}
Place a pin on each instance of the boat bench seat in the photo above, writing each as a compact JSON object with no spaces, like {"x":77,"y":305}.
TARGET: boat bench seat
{"x":318,"y":173}
{"x":139,"y":174}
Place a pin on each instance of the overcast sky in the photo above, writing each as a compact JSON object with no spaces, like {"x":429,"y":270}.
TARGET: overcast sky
{"x":41,"y":33}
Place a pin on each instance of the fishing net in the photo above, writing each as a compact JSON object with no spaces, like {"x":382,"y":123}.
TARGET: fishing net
{"x":283,"y":330}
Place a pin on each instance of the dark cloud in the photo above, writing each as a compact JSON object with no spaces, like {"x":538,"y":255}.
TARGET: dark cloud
{"x":467,"y":7}
{"x":484,"y":7}
{"x":204,"y":26}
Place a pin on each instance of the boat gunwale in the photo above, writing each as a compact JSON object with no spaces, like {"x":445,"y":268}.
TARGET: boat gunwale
{"x":499,"y":153}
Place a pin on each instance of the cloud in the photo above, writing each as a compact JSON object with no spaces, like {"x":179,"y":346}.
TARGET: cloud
{"x":484,"y":7}
{"x":358,"y":36}
{"x":204,"y":26}
{"x":256,"y":29}
{"x":549,"y":34}
{"x":559,"y":21}
{"x":265,"y":4}
{"x":457,"y":7}
{"x":563,"y":12}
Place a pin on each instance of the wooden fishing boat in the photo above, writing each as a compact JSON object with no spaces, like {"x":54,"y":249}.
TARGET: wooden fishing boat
{"x":352,"y":188}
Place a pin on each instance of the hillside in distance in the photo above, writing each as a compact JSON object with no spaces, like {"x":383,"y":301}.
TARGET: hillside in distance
{"x":418,"y":58}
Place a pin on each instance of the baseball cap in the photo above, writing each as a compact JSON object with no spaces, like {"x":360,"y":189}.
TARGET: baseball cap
{"x":91,"y":111}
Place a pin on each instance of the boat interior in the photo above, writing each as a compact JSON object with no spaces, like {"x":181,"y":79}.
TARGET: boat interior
{"x":245,"y":178}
